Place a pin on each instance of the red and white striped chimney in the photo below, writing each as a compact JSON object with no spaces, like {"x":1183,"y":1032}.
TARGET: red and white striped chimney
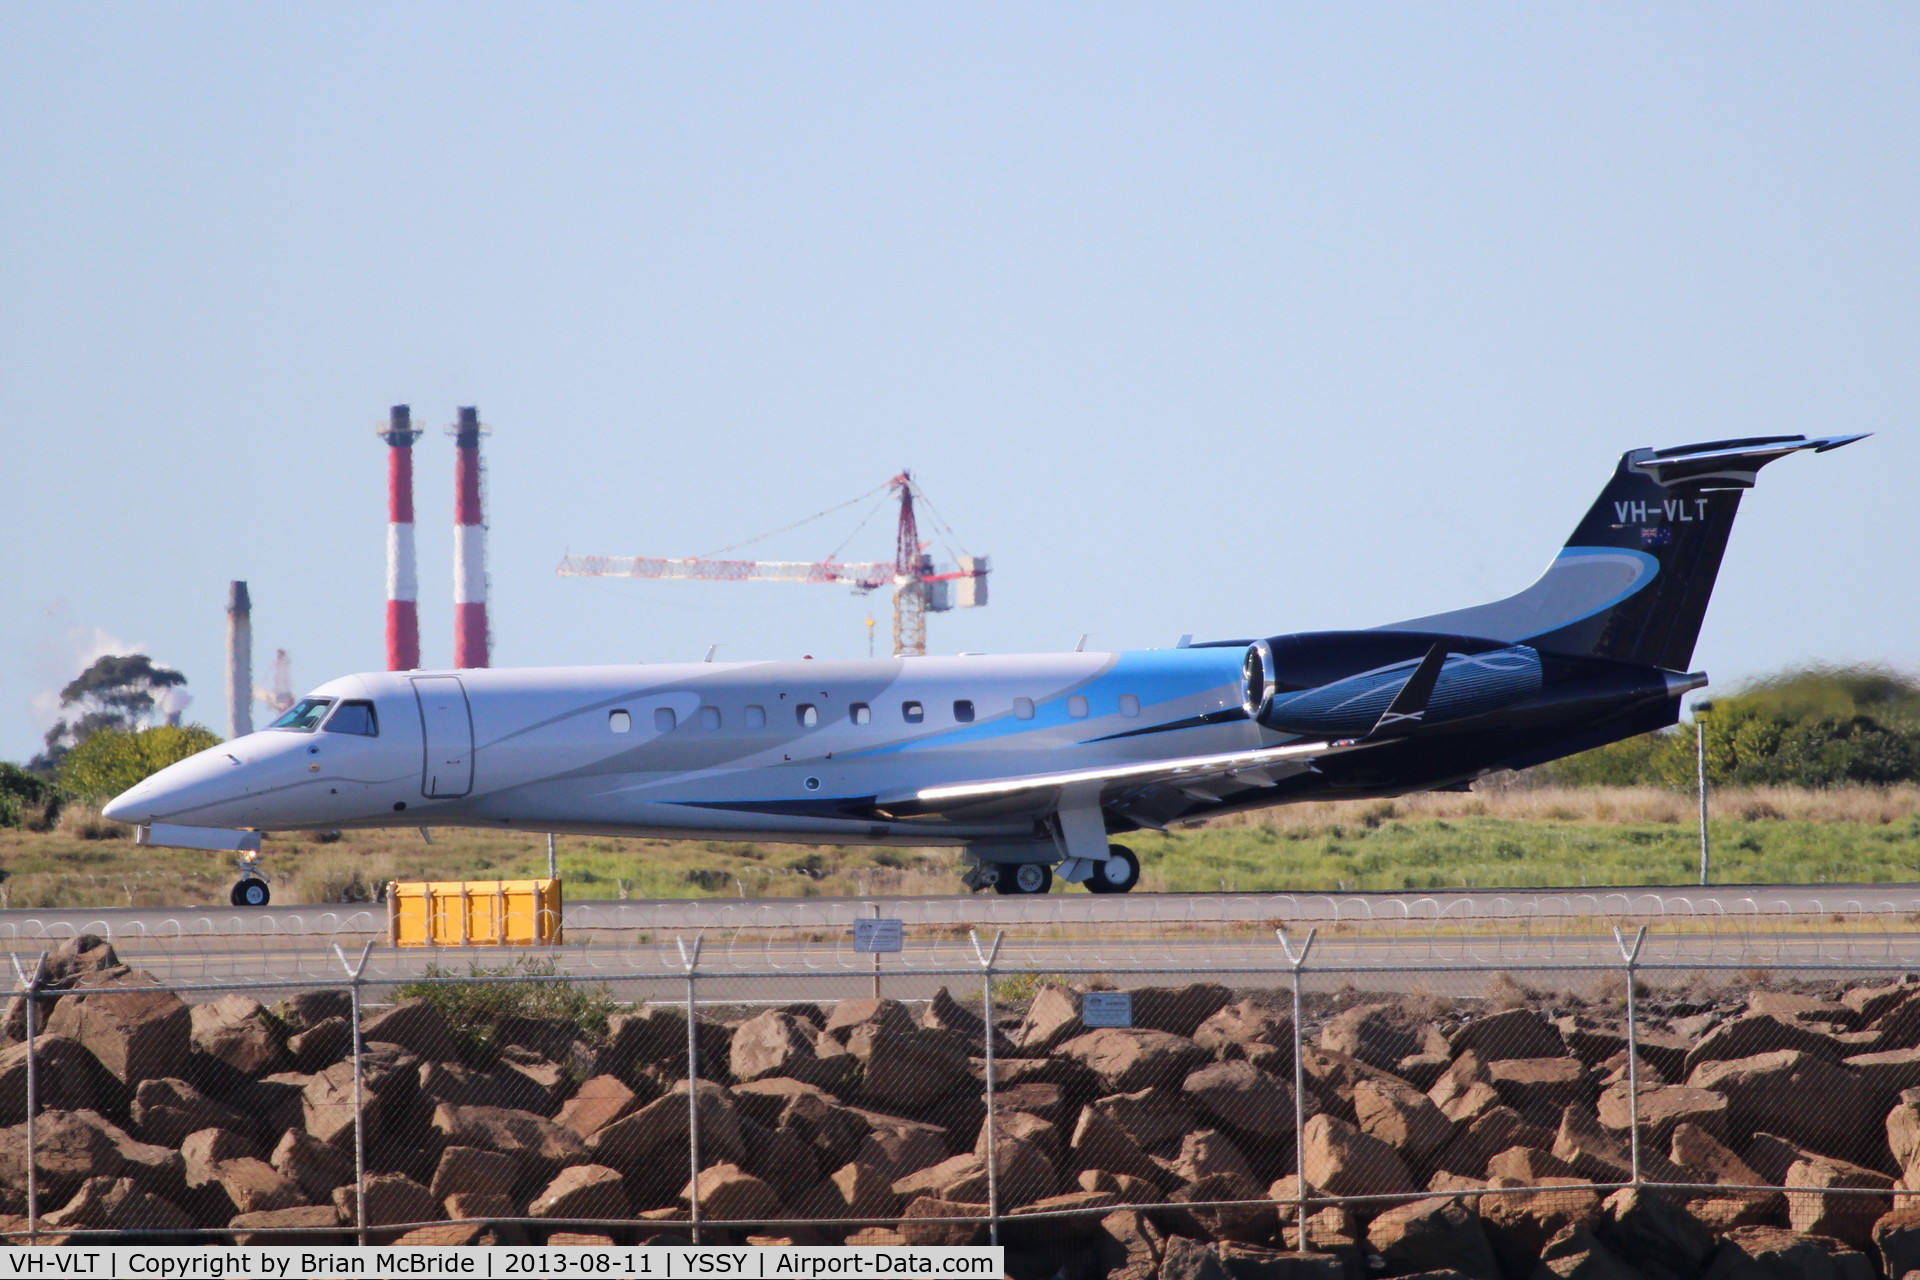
{"x":470,"y":640}
{"x":403,"y":580}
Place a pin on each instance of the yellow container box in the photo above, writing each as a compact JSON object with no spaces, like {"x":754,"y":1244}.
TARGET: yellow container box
{"x":473,"y":913}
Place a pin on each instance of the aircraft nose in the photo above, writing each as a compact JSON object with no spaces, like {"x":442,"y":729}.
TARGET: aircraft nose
{"x":195,"y":782}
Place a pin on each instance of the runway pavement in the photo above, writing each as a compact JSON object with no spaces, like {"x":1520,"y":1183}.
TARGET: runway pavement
{"x":157,"y":925}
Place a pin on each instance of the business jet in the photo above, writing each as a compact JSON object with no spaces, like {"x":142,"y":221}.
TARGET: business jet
{"x":1029,"y":764}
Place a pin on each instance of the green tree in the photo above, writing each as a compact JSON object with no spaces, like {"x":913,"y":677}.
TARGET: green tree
{"x":117,"y":691}
{"x":26,"y":800}
{"x":111,"y":760}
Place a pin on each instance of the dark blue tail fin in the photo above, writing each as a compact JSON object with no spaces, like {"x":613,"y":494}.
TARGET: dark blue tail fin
{"x":1633,"y":581}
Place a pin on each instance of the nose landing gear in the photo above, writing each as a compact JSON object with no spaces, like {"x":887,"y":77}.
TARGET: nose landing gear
{"x":251,"y":891}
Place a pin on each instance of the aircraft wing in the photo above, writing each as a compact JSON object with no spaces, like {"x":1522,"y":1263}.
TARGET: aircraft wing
{"x":1203,"y":777}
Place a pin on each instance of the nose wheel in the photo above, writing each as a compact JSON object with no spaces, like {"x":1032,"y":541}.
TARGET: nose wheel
{"x":251,"y":891}
{"x":1118,"y":874}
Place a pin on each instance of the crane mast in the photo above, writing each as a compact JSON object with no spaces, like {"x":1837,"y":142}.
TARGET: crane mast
{"x":919,"y":586}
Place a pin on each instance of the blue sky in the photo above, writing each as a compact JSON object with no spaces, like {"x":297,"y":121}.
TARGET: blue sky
{"x":1223,"y":319}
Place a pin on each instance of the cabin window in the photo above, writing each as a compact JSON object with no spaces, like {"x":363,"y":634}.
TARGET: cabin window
{"x":1023,"y":708}
{"x":1129,"y":705}
{"x":963,"y":710}
{"x":303,"y":715}
{"x":1077,"y":707}
{"x":756,"y":717}
{"x":664,"y":719}
{"x":860,"y":713}
{"x":354,"y":717}
{"x":709,"y":717}
{"x":807,"y":714}
{"x":912,"y":712}
{"x":619,"y":721}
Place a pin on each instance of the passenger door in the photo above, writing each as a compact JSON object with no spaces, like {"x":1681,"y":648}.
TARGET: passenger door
{"x":447,"y":725}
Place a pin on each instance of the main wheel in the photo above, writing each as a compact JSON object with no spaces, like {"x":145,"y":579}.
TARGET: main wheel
{"x":1024,"y":877}
{"x":250,"y":893}
{"x":1119,"y":873}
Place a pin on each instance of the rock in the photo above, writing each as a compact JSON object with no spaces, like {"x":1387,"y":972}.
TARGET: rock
{"x":1380,"y":1035}
{"x":655,"y":1036}
{"x":1052,"y":1019}
{"x":1793,"y":1006}
{"x":391,"y":1198}
{"x":1244,"y":1098}
{"x":961,"y":1177}
{"x":1595,"y":1154}
{"x":327,"y":1105}
{"x":854,"y":1190}
{"x":116,"y":1204}
{"x":152,"y":1167}
{"x":1650,"y":1232}
{"x":237,"y":1030}
{"x":1249,"y":1262}
{"x":1575,"y":1253}
{"x":779,"y":1158}
{"x":1903,"y":1134}
{"x":549,"y":1038}
{"x":1518,"y":1224}
{"x":529,"y":1082}
{"x":1232,"y":1031}
{"x":656,"y":1134}
{"x":68,"y":1150}
{"x":850,"y":1016}
{"x":1184,"y":1259}
{"x":598,"y":1103}
{"x":1151,"y":1117}
{"x":1402,"y":1117}
{"x":1769,"y":1092}
{"x":470,"y":1169}
{"x":1663,"y":1108}
{"x":584,"y":1191}
{"x":64,"y":1077}
{"x":1025,"y":1174}
{"x":294,"y":1226}
{"x":1487,"y":1137}
{"x":909,"y":1069}
{"x":318,"y":1167}
{"x":1206,"y":1152}
{"x":1048,"y":1101}
{"x":1430,"y":1235}
{"x":1346,"y":1162}
{"x":202,"y":1153}
{"x":1762,"y":1253}
{"x":1422,"y":1070}
{"x":480,"y":1205}
{"x":414,"y":1025}
{"x":1225,"y":1206}
{"x":1701,"y":1157}
{"x":1896,"y":1238}
{"x":1751,"y":1035}
{"x":1127,"y":1246}
{"x":1465,"y":1104}
{"x":251,"y":1185}
{"x":778,"y":1044}
{"x":901,"y":1146}
{"x":764,"y":1100}
{"x":1814,"y":1209}
{"x":321,"y":1045}
{"x":538,"y":1147}
{"x":308,"y":1009}
{"x":1886,"y":1075}
{"x":459,"y":1084}
{"x":1333,"y":1076}
{"x":944,"y":1013}
{"x":1128,"y":1059}
{"x":1076,"y":1225}
{"x":916,"y":1228}
{"x":834,"y":1133}
{"x":1030,"y":1128}
{"x":728,"y":1192}
{"x":1514,"y":1033}
{"x":1530,"y":1167}
{"x":132,"y":1029}
{"x":1099,"y":1143}
{"x":1540,"y":1088}
{"x":1178,"y":1010}
{"x":167,"y":1110}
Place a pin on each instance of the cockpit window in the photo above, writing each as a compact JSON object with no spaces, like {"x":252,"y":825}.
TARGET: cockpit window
{"x":303,"y":715}
{"x":354,"y":717}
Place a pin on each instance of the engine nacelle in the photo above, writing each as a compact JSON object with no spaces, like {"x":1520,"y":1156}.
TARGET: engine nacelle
{"x":1337,"y":683}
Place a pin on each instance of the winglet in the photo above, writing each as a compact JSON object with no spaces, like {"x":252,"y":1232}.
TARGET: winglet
{"x":1409,"y":706}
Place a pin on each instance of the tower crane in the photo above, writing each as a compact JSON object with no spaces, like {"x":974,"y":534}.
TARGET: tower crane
{"x":919,"y":585}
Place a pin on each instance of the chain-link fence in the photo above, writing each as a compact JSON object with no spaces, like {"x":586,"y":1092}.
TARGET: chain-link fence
{"x":1366,"y":1102}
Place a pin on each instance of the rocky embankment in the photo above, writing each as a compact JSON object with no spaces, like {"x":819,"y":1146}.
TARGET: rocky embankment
{"x":1456,"y":1136}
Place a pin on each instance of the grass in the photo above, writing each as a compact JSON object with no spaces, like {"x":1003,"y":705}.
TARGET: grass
{"x":472,"y":1010}
{"x":1490,"y":839}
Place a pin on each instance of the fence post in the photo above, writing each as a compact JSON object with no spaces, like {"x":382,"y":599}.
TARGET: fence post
{"x":690,"y":960}
{"x":1631,"y":956}
{"x":986,"y":959}
{"x":359,"y":1105}
{"x":31,"y":985}
{"x":1298,"y":962}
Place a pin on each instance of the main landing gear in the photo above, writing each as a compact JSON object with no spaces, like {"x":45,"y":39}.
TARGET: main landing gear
{"x":1117,"y":873}
{"x":251,"y":891}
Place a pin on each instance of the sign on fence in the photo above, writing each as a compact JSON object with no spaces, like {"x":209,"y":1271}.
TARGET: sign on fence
{"x":876,"y":936}
{"x":1106,"y":1009}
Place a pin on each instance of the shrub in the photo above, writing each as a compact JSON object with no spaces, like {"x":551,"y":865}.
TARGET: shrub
{"x":473,"y":1010}
{"x":112,"y":760}
{"x":26,"y":800}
